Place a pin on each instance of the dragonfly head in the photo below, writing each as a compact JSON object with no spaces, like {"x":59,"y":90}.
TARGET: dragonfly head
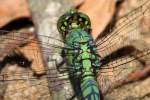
{"x":72,"y":20}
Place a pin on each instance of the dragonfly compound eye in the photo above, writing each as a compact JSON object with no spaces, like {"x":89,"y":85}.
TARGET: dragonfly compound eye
{"x":73,"y":19}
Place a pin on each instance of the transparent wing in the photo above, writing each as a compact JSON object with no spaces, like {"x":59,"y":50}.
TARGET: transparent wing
{"x":126,"y":48}
{"x":127,"y":30}
{"x":117,"y":72}
{"x":38,"y":86}
{"x":38,"y":76}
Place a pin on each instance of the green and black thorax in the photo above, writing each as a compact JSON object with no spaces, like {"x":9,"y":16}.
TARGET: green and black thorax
{"x":76,"y":32}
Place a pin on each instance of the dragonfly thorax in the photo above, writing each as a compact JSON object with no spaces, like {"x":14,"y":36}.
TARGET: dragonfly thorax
{"x":82,"y":55}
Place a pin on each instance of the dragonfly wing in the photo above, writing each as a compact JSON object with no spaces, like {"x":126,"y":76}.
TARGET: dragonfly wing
{"x":128,"y":30}
{"x":10,"y":40}
{"x":22,"y":83}
{"x":16,"y":88}
{"x":56,"y":84}
{"x":116,"y":72}
{"x":130,"y":33}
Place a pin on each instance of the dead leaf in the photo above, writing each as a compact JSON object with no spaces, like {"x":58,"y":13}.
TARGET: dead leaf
{"x":13,"y":9}
{"x":33,"y":52}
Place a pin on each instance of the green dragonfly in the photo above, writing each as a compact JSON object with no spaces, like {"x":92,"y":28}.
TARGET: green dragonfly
{"x":85,"y":71}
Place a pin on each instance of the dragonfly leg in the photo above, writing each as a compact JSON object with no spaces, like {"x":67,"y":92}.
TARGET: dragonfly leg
{"x":96,"y":66}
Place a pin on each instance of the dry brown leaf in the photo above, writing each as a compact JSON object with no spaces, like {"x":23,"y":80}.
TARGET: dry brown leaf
{"x":32,"y":52}
{"x":99,"y":11}
{"x":138,"y":75}
{"x":13,"y":9}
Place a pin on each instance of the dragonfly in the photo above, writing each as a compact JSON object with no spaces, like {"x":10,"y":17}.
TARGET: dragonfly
{"x":54,"y":83}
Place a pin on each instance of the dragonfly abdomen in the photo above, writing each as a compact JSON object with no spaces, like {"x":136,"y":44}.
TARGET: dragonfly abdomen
{"x":89,"y":89}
